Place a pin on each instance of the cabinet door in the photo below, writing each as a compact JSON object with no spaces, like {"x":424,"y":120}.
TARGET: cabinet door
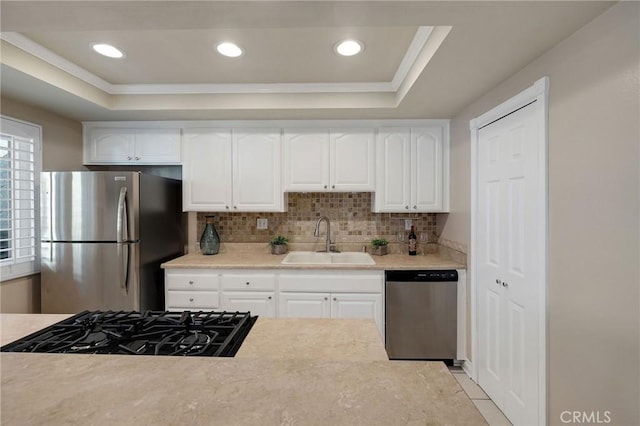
{"x":258,"y":303}
{"x":427,"y":169}
{"x":304,"y":305}
{"x":206,"y":170}
{"x":352,"y":160}
{"x":157,"y":146}
{"x":256,"y":171}
{"x":358,"y":305}
{"x":306,"y":160}
{"x":110,"y":146}
{"x":393,"y":172}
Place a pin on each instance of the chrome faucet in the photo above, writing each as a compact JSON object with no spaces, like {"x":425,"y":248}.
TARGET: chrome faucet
{"x":316,"y":233}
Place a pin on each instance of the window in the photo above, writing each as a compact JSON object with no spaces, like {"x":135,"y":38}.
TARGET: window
{"x":20,"y":166}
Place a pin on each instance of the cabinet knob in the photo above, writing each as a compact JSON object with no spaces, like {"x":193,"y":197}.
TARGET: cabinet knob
{"x":226,"y":207}
{"x":333,"y":187}
{"x":191,"y":282}
{"x":235,"y":207}
{"x":498,"y":281}
{"x":247,"y":283}
{"x":325,"y":187}
{"x":269,"y":297}
{"x":335,"y":298}
{"x":505,"y":285}
{"x":326,"y":298}
{"x":406,"y":207}
{"x":415,"y":207}
{"x":191,"y":299}
{"x":137,"y":158}
{"x":128,"y":157}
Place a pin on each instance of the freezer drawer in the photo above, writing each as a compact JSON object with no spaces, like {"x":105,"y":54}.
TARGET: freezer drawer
{"x":89,"y":276}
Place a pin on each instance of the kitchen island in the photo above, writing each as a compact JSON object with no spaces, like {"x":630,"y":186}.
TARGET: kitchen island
{"x":347,"y":383}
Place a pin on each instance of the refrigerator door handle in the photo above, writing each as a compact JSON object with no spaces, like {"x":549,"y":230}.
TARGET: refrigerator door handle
{"x":122,"y":240}
{"x":122,"y":234}
{"x":123,"y":266}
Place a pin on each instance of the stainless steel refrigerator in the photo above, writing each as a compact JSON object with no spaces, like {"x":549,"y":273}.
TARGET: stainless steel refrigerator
{"x":103,"y":238}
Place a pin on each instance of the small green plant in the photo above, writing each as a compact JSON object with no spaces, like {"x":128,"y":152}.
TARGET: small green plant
{"x":279,"y":241}
{"x":379,"y":242}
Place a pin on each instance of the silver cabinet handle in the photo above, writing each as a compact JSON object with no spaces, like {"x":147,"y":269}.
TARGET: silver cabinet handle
{"x":498,"y":281}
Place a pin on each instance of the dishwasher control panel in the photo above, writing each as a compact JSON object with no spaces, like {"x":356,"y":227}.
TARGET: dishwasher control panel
{"x":428,"y":276}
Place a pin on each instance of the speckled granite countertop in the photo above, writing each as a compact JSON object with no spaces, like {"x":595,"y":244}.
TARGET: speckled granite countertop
{"x":260,"y":260}
{"x":254,"y":388}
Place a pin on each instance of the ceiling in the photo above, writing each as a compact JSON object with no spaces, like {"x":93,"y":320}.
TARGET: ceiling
{"x":422,"y":59}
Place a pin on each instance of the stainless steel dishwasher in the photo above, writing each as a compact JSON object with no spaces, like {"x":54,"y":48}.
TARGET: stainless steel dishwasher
{"x":421,"y":314}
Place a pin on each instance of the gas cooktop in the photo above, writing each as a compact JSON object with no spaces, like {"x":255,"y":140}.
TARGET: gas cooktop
{"x":187,"y":333}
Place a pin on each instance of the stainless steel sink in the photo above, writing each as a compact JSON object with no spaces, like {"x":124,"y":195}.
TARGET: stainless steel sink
{"x":315,"y":258}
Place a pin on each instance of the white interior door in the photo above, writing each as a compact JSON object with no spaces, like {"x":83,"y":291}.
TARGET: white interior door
{"x":507,"y":277}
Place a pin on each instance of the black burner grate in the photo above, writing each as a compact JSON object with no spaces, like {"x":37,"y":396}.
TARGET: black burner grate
{"x":142,"y":333}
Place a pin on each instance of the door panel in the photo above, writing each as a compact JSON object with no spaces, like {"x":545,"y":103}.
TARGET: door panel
{"x":507,"y":273}
{"x":306,"y":157}
{"x":81,"y":276}
{"x":304,"y":305}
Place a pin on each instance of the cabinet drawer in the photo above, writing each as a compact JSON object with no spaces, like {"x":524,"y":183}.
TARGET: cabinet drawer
{"x":321,"y":281}
{"x":193,"y":299}
{"x":248,"y":281}
{"x":192,"y":282}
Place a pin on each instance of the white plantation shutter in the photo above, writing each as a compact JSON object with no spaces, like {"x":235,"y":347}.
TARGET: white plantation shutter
{"x":20,"y":166}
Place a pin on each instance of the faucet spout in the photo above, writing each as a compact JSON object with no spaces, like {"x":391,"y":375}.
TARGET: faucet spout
{"x":316,"y":233}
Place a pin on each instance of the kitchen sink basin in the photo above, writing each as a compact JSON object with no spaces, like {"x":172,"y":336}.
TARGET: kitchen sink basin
{"x":316,"y":258}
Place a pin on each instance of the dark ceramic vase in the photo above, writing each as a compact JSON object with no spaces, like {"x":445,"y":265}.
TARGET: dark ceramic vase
{"x":210,"y":240}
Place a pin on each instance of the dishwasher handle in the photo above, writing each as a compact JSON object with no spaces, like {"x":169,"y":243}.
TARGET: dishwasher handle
{"x":423,"y":276}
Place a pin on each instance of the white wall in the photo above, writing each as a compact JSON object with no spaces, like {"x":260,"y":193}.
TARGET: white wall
{"x":594,"y":212}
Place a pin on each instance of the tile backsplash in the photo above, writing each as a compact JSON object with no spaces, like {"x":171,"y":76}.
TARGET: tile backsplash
{"x":351,"y":221}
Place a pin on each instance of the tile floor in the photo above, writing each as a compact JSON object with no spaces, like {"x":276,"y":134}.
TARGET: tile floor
{"x":487,"y":408}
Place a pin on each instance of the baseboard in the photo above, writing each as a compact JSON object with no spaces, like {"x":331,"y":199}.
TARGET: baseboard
{"x":467,"y":366}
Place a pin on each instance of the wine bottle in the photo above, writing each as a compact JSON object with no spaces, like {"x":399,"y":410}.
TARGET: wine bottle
{"x":413,"y":242}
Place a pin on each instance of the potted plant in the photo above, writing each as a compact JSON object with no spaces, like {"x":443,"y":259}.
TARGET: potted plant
{"x":379,"y":246}
{"x":279,"y":244}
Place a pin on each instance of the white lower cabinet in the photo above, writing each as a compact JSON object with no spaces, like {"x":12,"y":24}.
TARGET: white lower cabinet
{"x":191,"y":289}
{"x":329,"y":294}
{"x":253,"y":291}
{"x":279,"y":293}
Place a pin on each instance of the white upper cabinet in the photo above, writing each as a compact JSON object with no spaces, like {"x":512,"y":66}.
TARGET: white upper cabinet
{"x":329,"y":160}
{"x":256,"y":170}
{"x":412,"y":170}
{"x":231,"y":170}
{"x":131,"y":145}
{"x":206,"y":170}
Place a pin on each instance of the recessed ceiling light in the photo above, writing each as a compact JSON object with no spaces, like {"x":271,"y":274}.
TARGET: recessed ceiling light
{"x":108,"y":50}
{"x":229,"y":49}
{"x":349,"y":47}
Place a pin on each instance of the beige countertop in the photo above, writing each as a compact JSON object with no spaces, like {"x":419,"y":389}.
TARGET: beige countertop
{"x":261,"y":260}
{"x":269,"y":382}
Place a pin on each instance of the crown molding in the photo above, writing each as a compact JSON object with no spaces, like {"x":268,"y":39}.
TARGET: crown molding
{"x":415,"y":47}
